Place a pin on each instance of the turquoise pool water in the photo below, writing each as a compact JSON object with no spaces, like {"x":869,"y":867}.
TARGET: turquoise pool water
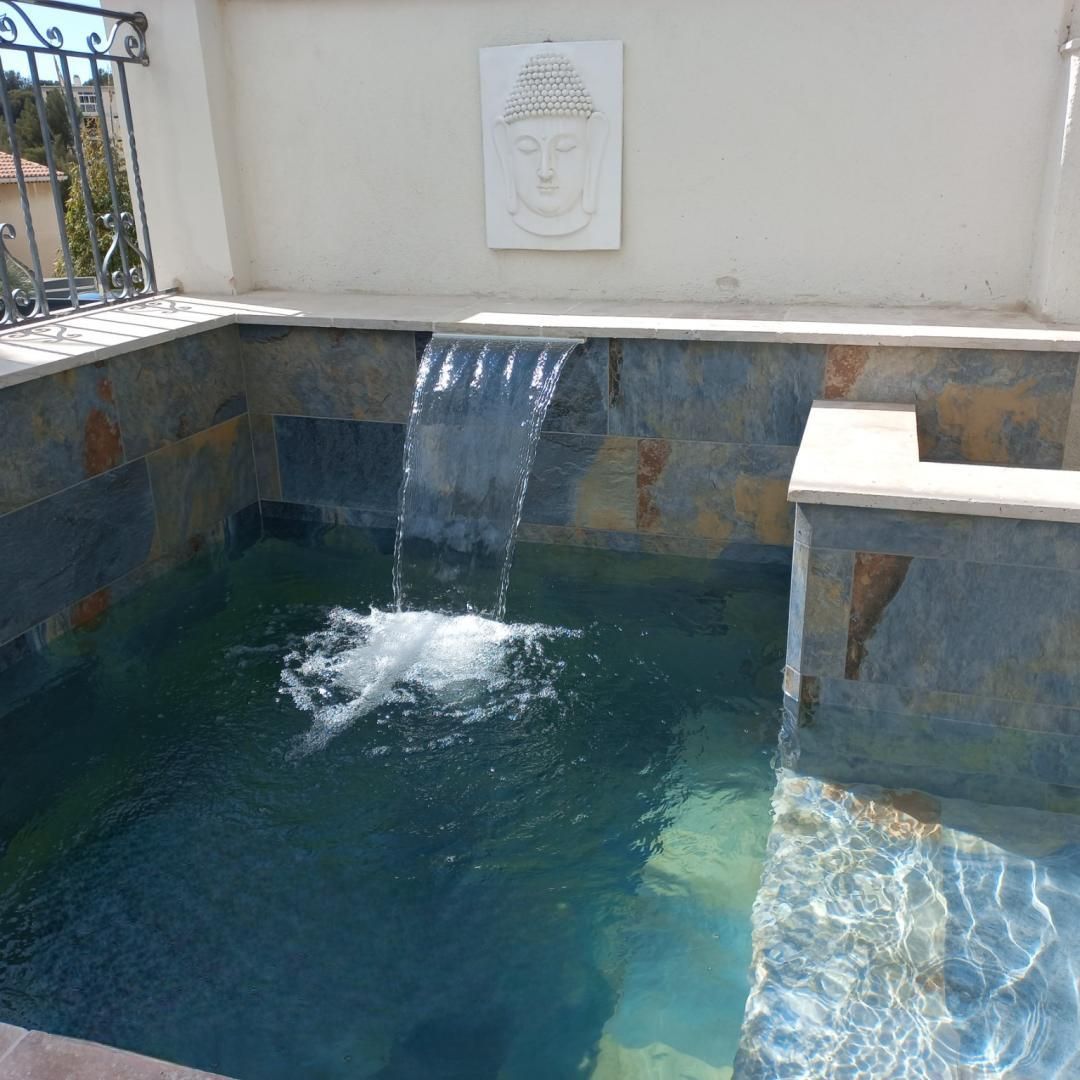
{"x":250,"y":826}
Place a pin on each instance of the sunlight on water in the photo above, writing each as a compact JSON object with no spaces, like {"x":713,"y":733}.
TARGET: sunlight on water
{"x":360,"y":662}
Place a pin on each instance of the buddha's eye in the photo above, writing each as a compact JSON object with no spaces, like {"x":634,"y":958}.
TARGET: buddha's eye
{"x":565,"y":143}
{"x":527,"y":145}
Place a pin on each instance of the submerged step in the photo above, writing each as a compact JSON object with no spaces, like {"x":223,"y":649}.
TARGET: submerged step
{"x":901,"y":936}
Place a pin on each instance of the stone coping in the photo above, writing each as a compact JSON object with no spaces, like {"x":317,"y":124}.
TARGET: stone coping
{"x":35,"y":1055}
{"x":856,"y":454}
{"x":82,"y":338}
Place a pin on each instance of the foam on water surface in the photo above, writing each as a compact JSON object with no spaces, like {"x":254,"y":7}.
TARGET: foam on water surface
{"x":360,"y":662}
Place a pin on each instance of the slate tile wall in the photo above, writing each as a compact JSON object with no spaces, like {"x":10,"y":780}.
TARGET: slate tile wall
{"x":112,"y":473}
{"x":681,"y":447}
{"x":936,"y":651}
{"x":672,"y":446}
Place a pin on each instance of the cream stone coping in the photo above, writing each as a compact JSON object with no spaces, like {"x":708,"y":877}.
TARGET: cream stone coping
{"x":855,"y":454}
{"x":27,"y":352}
{"x":36,"y":1055}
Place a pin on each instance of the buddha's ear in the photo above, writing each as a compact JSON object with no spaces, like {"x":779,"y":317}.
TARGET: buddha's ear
{"x":502,"y":149}
{"x":597,"y":132}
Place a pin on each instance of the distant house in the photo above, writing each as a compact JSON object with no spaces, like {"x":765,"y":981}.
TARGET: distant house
{"x":39,"y":193}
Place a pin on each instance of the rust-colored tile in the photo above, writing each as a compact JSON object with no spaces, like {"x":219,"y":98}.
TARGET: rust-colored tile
{"x":90,"y":610}
{"x":876,"y":580}
{"x":843,"y":366}
{"x":102,"y":448}
{"x":653,"y":455}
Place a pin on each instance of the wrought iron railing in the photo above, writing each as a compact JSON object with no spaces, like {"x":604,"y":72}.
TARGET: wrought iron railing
{"x":89,"y":244}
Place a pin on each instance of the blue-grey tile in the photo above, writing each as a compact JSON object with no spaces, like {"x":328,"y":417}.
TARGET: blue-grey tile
{"x":170,"y":391}
{"x":264,"y":446}
{"x":912,"y":739}
{"x":819,"y":610}
{"x":947,"y":705}
{"x":1026,"y":543}
{"x":1004,"y":407}
{"x":589,"y":481}
{"x":347,"y":463}
{"x":890,"y":532}
{"x":201,"y":481}
{"x":580,"y":401}
{"x":975,"y":628}
{"x":728,"y":392}
{"x":56,"y":431}
{"x":69,"y":545}
{"x":326,"y":372}
{"x":342,"y":528}
{"x":715,"y":491}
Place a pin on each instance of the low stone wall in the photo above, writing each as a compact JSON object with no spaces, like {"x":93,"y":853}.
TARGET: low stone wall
{"x":116,"y":470}
{"x":683,"y":447}
{"x":112,"y":473}
{"x":929,"y":648}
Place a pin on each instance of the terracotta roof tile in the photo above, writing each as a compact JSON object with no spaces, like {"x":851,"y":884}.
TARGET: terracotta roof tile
{"x":32,"y":171}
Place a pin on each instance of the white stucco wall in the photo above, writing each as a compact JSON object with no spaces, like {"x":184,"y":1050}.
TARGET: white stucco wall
{"x":775,"y":150}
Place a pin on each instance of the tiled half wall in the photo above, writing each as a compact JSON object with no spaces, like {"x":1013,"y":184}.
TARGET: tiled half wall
{"x":114,"y":471}
{"x":936,"y":651}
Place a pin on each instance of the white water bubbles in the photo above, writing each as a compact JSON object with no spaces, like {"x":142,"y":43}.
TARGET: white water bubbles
{"x":465,"y":663}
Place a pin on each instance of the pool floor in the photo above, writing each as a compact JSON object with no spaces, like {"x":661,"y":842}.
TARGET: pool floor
{"x":251,"y":826}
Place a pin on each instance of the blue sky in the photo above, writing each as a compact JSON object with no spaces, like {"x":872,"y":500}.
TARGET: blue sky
{"x":75,"y":29}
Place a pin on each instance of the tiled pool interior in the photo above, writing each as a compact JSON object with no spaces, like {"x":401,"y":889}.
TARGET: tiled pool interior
{"x":898,"y":931}
{"x":535,"y":858}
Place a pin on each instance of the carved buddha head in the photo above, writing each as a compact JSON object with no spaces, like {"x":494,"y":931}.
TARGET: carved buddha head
{"x":550,"y":142}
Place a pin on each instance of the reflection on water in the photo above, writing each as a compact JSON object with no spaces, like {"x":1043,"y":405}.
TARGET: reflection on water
{"x":897,"y":935}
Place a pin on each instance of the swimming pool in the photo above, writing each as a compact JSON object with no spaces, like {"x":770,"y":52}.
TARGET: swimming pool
{"x":255,"y":826}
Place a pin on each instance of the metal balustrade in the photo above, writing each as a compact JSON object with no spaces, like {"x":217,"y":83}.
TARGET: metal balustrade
{"x":103,"y":254}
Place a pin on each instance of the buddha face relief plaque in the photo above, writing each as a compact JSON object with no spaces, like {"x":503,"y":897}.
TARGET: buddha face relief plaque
{"x":552,"y":120}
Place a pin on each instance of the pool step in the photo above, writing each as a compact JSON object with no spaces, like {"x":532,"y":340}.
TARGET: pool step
{"x":904,"y":937}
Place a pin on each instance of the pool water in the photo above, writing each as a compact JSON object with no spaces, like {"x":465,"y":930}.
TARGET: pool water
{"x":253,"y":826}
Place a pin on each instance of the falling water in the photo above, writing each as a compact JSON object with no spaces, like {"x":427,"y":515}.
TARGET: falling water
{"x":477,"y":412}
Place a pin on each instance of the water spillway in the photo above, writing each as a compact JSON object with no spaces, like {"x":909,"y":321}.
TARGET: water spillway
{"x":477,"y":411}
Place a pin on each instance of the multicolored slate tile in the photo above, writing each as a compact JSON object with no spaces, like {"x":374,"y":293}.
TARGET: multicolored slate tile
{"x":56,"y":431}
{"x":1000,"y":407}
{"x":264,"y":445}
{"x":583,"y":480}
{"x":71,"y":544}
{"x":716,"y":491}
{"x":325,"y":372}
{"x":201,"y":481}
{"x":344,"y":463}
{"x":727,"y":392}
{"x":167,"y":392}
{"x":581,"y":396}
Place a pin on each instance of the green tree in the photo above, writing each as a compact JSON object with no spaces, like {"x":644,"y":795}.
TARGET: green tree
{"x":78,"y":230}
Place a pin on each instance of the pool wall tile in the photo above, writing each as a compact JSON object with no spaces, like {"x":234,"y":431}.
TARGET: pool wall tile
{"x":729,"y":392}
{"x":202,"y":480}
{"x":67,"y":546}
{"x":674,"y":447}
{"x":716,"y":491}
{"x":264,"y":447}
{"x":343,"y":463}
{"x":55,"y":432}
{"x":990,"y":407}
{"x":962,"y":646}
{"x":325,"y":372}
{"x":581,"y":395}
{"x":583,"y":480}
{"x":167,"y":392}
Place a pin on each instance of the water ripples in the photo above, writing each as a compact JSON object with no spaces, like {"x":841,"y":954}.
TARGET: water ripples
{"x":899,"y":936}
